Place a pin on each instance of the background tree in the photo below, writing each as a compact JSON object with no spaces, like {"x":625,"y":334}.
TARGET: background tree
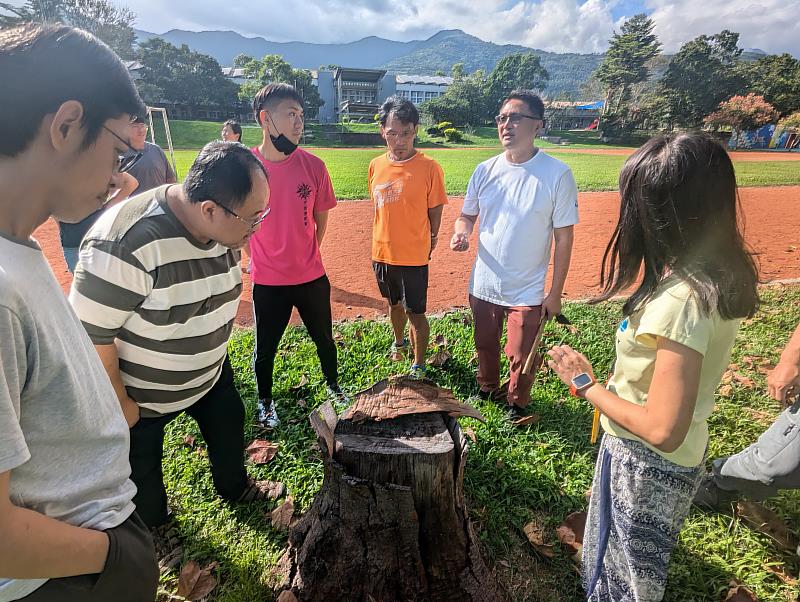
{"x":626,"y":61}
{"x":776,"y":77}
{"x":701,"y":75}
{"x":464,"y":102}
{"x":743,"y":113}
{"x":273,"y":69}
{"x":515,"y":71}
{"x":111,"y":24}
{"x":182,"y":76}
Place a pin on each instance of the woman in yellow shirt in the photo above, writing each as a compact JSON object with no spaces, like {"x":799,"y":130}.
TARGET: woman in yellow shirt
{"x":678,"y":243}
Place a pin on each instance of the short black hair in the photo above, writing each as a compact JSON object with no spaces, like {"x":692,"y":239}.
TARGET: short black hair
{"x":235,"y":127}
{"x":273,"y":94}
{"x":223,"y":173}
{"x":530,"y":98}
{"x":402,"y":108}
{"x":44,"y":66}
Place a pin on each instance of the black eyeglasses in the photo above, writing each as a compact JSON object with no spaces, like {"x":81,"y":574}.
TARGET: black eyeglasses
{"x":125,"y":162}
{"x":513,"y":118}
{"x":251,"y":225}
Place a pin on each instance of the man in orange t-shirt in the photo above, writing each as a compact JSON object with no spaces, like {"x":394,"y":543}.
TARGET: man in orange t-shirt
{"x":407,"y":189}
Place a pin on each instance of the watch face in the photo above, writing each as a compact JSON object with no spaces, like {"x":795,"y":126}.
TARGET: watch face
{"x":582,"y":380}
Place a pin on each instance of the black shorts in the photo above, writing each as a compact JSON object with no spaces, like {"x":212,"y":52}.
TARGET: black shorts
{"x":408,"y":284}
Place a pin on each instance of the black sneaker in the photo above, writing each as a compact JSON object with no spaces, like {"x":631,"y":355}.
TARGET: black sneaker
{"x":709,"y":496}
{"x":267,"y":414}
{"x":167,"y":542}
{"x":515,"y":413}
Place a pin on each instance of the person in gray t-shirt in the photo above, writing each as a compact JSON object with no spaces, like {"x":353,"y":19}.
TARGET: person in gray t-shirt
{"x":152,"y":169}
{"x":69,"y":530}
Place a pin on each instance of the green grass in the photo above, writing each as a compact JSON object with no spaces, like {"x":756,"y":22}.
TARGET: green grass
{"x":348,"y":169}
{"x":511,"y":475}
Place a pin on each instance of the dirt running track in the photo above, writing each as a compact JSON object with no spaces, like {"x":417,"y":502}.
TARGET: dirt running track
{"x":772,"y":218}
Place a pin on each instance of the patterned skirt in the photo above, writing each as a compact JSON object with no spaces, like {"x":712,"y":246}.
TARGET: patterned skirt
{"x":638,"y":505}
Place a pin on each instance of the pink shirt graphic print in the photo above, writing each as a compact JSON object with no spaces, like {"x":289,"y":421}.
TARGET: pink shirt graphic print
{"x":285,"y":251}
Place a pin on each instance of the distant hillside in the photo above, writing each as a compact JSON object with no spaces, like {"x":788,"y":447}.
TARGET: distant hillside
{"x":368,"y":52}
{"x":419,"y":57}
{"x":567,"y":71}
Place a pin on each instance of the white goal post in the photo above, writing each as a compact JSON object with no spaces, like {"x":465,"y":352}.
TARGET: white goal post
{"x":163,"y":112}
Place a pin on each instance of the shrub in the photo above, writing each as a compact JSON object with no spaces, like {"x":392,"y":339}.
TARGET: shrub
{"x":453,"y":135}
{"x":444,"y":125}
{"x":434,"y":132}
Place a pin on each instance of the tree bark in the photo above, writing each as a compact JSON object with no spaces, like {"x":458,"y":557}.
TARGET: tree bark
{"x":389,"y":522}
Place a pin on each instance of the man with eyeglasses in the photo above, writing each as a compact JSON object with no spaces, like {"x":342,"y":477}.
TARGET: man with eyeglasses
{"x":68,"y":527}
{"x":143,"y":167}
{"x":285,"y":262}
{"x":525,"y":199}
{"x":407,"y":190}
{"x":157,"y":289}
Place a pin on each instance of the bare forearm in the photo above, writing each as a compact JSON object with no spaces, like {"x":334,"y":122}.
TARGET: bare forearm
{"x":321,"y":220}
{"x":634,"y":418}
{"x":34,"y":546}
{"x":562,"y":256}
{"x":110,"y":358}
{"x":435,"y":219}
{"x":791,"y":353}
{"x":464,"y":224}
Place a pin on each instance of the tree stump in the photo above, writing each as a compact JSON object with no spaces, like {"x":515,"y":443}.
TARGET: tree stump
{"x":389,"y":522}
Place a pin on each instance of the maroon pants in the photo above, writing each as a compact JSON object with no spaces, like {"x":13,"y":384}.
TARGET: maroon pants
{"x":522,"y":327}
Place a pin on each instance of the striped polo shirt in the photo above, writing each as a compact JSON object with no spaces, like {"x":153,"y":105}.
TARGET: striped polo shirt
{"x":167,"y":299}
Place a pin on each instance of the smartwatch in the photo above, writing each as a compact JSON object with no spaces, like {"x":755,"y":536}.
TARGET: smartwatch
{"x":580,"y":383}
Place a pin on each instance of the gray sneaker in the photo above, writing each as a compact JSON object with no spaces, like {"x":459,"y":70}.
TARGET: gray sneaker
{"x":267,"y":414}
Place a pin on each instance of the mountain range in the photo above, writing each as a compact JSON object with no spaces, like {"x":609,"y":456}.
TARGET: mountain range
{"x":417,"y":57}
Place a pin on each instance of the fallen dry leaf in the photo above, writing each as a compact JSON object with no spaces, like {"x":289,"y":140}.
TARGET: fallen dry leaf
{"x":527,"y":420}
{"x":505,"y":563}
{"x":287,"y":596}
{"x":767,"y":522}
{"x":745,"y":381}
{"x":261,"y":451}
{"x":440,"y":358}
{"x":282,"y":515}
{"x":194,"y":582}
{"x":570,"y":532}
{"x":471,"y":434}
{"x":301,"y":403}
{"x":535,"y":534}
{"x":725,"y":390}
{"x":303,"y":382}
{"x":440,"y":341}
{"x":739,"y":593}
{"x":787,"y":579}
{"x":188,"y":441}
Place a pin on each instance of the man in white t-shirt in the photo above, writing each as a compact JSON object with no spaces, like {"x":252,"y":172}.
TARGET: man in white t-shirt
{"x":525,"y":200}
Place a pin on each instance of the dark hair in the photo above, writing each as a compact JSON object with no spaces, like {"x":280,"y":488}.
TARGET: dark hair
{"x":235,"y":127}
{"x":273,"y":94}
{"x":44,"y":66}
{"x":222,"y":172}
{"x":678,"y":216}
{"x":402,"y":108}
{"x":530,"y":98}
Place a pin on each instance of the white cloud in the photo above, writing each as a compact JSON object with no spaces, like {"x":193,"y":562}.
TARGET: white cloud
{"x":771,"y":25}
{"x":555,"y":25}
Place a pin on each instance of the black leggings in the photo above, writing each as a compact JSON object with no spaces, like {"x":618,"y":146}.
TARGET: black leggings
{"x":272,"y":306}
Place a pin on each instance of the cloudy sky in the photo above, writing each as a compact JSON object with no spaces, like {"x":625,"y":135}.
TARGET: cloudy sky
{"x":555,"y":25}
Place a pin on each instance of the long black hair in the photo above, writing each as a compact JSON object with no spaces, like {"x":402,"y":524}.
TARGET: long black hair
{"x":679,"y":215}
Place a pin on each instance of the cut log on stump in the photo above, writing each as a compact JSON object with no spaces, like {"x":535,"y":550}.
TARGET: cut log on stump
{"x":389,"y":522}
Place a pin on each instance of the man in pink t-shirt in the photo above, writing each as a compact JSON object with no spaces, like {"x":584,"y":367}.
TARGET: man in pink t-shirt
{"x":285,"y":262}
